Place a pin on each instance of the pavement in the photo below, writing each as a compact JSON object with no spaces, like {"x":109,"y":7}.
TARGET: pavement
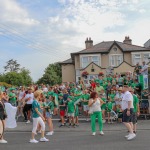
{"x":79,"y":138}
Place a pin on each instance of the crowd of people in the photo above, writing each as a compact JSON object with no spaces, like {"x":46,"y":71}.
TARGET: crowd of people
{"x":106,"y":98}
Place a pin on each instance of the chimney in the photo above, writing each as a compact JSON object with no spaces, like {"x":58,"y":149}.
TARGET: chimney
{"x":127,"y":40}
{"x":88,"y":43}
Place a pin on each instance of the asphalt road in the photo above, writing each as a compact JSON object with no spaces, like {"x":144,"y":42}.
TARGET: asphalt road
{"x":112,"y":140}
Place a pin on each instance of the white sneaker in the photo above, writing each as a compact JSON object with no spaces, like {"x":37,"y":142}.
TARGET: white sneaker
{"x":28,"y":121}
{"x":33,"y":141}
{"x":127,"y":135}
{"x":44,"y":139}
{"x":101,"y":133}
{"x":104,"y":121}
{"x":94,"y":133}
{"x":132,"y":136}
{"x":3,"y":141}
{"x":50,"y":133}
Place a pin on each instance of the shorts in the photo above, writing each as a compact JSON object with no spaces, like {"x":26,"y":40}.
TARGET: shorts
{"x":70,"y":114}
{"x":29,"y":107}
{"x":48,"y":115}
{"x":85,"y":108}
{"x":145,"y":105}
{"x":127,"y":118}
{"x":134,"y":118}
{"x":62,"y":113}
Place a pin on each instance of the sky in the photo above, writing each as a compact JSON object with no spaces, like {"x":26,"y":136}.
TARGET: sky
{"x":40,"y":32}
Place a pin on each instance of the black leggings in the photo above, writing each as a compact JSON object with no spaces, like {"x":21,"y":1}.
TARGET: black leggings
{"x":26,"y":108}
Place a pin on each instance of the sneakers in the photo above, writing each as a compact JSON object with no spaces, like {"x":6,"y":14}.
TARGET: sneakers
{"x":127,"y":135}
{"x":50,"y":133}
{"x":101,"y":133}
{"x":62,"y":125}
{"x":104,"y":121}
{"x":28,"y":122}
{"x":33,"y":141}
{"x":3,"y":141}
{"x":94,"y":133}
{"x":131,"y":136}
{"x":44,"y":139}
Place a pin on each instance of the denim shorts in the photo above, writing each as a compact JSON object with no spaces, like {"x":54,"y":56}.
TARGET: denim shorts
{"x":48,"y":115}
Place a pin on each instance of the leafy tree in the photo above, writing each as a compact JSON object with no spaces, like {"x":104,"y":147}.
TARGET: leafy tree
{"x":25,"y":73}
{"x":52,"y":75}
{"x":13,"y":78}
{"x":12,"y":66}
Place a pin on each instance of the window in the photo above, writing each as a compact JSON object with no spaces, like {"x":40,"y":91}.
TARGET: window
{"x":146,"y":57}
{"x":136,"y":59}
{"x":86,"y":60}
{"x":116,"y":60}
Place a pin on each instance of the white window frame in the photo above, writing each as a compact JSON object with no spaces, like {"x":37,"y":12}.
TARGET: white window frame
{"x":90,"y":55}
{"x":141,"y":55}
{"x":110,"y":60}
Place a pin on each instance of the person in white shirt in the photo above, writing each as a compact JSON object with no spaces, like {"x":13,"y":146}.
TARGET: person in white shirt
{"x":127,"y":107}
{"x":28,"y":105}
{"x":21,"y":95}
{"x":144,"y":70}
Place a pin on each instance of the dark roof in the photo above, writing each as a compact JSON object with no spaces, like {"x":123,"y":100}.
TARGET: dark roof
{"x":68,"y":61}
{"x":104,"y":47}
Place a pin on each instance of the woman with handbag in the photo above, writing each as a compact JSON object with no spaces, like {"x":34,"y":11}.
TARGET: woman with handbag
{"x":95,"y":112}
{"x":3,"y":116}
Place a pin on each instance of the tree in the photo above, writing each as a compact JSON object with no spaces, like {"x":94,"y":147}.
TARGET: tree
{"x":25,"y":73}
{"x":13,"y":78}
{"x":52,"y":75}
{"x":12,"y":66}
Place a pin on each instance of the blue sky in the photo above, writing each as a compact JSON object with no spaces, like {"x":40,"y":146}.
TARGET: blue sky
{"x":37,"y":33}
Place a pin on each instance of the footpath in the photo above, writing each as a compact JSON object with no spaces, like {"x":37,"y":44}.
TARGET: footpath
{"x":83,"y":127}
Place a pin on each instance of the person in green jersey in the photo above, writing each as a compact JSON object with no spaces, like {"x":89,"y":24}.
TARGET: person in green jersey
{"x":120,"y":80}
{"x":109,"y":78}
{"x":145,"y":103}
{"x":109,"y":107}
{"x":103,"y":107}
{"x":12,"y":97}
{"x":71,"y":111}
{"x":98,"y":88}
{"x":136,"y":109}
{"x":62,"y":108}
{"x":85,"y":99}
{"x":37,"y":118}
{"x":112,"y":97}
{"x":78,"y":96}
{"x":49,"y":108}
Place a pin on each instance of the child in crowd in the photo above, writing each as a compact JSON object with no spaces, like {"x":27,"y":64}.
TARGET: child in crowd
{"x":109,"y":107}
{"x":49,"y":108}
{"x":71,"y":111}
{"x":62,"y":108}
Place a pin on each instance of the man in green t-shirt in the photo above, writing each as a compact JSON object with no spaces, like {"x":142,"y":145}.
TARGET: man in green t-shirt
{"x":85,"y":99}
{"x":71,"y":110}
{"x":136,"y":109}
{"x":98,"y":88}
{"x":13,"y":97}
